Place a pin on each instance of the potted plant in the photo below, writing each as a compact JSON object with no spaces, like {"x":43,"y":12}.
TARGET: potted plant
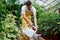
{"x":48,"y":23}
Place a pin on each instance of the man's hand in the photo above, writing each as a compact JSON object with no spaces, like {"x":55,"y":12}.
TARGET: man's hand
{"x":30,"y":24}
{"x":36,"y":26}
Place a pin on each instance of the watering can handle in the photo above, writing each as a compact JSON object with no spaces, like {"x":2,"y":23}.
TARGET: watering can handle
{"x":35,"y":29}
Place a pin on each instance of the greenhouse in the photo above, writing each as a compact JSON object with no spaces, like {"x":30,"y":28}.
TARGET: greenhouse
{"x":29,"y":19}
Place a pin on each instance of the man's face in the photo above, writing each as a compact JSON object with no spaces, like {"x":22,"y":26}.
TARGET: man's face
{"x":29,"y":7}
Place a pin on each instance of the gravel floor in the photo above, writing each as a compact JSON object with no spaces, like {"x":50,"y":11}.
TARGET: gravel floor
{"x":40,"y":38}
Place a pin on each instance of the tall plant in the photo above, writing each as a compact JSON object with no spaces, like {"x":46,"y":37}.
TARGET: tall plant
{"x":47,"y":21}
{"x":8,"y":27}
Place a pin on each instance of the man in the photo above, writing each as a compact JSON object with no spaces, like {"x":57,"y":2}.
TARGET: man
{"x":26,"y":11}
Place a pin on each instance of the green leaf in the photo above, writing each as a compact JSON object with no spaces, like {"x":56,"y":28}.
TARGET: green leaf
{"x":11,"y":35}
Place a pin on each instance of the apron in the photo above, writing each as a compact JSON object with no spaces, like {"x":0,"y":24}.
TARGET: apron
{"x":24,"y":23}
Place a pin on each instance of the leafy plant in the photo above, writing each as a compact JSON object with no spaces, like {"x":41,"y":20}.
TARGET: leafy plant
{"x":10,"y":29}
{"x":3,"y":10}
{"x":47,"y":21}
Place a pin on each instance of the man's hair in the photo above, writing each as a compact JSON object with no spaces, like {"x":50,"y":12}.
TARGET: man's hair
{"x":28,"y":3}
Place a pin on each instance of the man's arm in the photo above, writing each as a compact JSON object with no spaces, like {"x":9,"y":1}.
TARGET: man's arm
{"x":24,"y":16}
{"x":35,"y":18}
{"x":30,"y":23}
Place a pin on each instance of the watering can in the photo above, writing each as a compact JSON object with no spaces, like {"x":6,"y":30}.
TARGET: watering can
{"x":29,"y":31}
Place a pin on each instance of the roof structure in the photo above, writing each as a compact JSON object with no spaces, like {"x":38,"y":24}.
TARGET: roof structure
{"x":46,"y":3}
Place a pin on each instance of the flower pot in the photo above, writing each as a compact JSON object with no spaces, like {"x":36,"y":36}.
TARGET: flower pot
{"x":45,"y":37}
{"x":54,"y":37}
